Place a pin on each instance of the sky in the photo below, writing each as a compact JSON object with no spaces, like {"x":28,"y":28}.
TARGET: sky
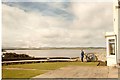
{"x":56,"y":24}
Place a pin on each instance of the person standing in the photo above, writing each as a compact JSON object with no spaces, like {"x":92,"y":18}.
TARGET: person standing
{"x":82,"y":55}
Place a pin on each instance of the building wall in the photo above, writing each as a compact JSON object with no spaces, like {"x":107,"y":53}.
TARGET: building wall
{"x":115,"y":17}
{"x":111,"y":61}
{"x":118,"y":36}
{"x":116,"y":20}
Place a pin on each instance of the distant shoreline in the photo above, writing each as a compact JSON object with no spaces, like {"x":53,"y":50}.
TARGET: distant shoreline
{"x":50,"y":48}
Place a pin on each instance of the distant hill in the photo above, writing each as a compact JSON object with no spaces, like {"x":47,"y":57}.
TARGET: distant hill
{"x":44,"y":48}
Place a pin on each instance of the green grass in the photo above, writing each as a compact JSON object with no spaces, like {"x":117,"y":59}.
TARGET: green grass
{"x":21,"y":73}
{"x":40,"y":68}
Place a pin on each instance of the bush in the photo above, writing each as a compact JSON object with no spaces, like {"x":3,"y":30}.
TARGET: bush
{"x":14,"y":56}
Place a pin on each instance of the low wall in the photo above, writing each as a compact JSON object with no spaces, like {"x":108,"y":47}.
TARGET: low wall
{"x":100,"y":53}
{"x":101,"y":56}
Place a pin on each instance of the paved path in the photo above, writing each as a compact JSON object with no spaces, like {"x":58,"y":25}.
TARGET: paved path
{"x":82,"y":72}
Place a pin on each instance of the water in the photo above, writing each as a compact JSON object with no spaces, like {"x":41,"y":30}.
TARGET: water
{"x":56,"y":52}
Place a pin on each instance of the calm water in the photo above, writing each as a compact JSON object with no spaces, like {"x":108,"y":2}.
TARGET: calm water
{"x":57,"y":52}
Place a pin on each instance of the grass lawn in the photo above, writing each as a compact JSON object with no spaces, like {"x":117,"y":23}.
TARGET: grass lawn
{"x":34,"y":69}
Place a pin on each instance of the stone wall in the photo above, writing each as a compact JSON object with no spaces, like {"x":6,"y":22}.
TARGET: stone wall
{"x":100,"y":53}
{"x":101,"y":56}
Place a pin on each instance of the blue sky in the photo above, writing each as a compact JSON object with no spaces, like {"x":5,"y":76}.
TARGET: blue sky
{"x":55,"y":24}
{"x":45,"y":8}
{"x":58,"y":0}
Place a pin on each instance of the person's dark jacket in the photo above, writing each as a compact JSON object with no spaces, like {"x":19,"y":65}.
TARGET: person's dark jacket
{"x":82,"y":54}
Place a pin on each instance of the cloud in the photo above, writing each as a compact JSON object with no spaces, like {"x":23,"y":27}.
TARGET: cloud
{"x":79,"y":24}
{"x":93,"y":20}
{"x":29,"y":27}
{"x":47,"y":9}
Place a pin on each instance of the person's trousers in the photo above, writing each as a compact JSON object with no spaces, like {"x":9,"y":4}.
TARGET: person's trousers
{"x":82,"y":59}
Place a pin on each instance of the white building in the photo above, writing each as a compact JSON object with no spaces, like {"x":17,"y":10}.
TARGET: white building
{"x":113,"y":38}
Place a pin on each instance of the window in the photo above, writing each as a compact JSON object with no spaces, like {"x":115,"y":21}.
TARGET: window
{"x":112,"y":46}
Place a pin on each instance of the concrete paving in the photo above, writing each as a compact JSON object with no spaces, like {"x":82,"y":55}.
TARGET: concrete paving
{"x":82,"y":72}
